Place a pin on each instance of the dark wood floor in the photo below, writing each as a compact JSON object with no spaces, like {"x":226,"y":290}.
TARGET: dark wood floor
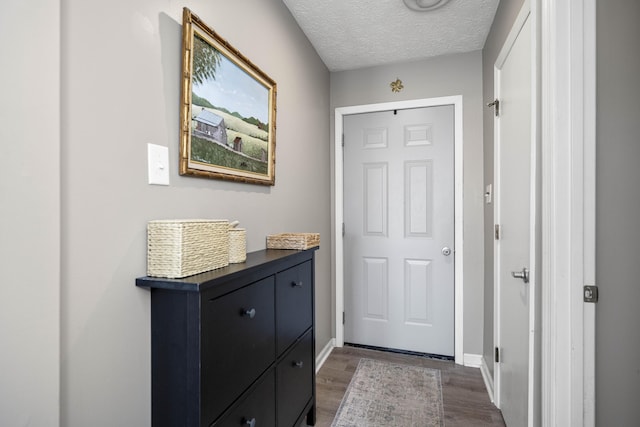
{"x":465,"y":398}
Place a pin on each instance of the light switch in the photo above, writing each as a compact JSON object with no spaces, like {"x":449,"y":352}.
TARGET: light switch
{"x":158,"y":164}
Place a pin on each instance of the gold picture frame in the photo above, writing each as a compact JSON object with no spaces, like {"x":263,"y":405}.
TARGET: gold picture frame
{"x":227,"y":110}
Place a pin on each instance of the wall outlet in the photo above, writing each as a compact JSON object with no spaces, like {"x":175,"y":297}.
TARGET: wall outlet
{"x":158,"y":164}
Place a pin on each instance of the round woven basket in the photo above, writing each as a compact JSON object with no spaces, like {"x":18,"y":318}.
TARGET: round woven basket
{"x":237,"y":245}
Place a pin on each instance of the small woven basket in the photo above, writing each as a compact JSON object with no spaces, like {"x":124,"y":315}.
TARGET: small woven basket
{"x":181,"y":248}
{"x":300,"y":241}
{"x":237,"y":245}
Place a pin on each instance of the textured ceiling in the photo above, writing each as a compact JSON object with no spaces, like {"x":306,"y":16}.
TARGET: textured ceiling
{"x":351,"y":34}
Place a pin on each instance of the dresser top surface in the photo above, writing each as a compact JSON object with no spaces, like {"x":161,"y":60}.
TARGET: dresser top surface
{"x":256,"y":261}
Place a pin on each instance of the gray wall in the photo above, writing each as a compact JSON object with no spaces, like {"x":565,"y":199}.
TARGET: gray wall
{"x":29,"y":213}
{"x":77,"y":205}
{"x":505,"y":16}
{"x":443,"y":76}
{"x":617,"y":213}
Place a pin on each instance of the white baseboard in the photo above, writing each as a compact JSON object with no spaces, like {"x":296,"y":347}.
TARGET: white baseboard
{"x":472,"y":360}
{"x":326,"y":351}
{"x":488,"y":379}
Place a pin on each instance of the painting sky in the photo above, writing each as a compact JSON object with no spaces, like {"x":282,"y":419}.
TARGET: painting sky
{"x":236,"y":91}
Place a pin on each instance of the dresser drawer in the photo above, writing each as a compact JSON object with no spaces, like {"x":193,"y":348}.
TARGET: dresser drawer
{"x":238,"y":343}
{"x":257,"y":408}
{"x":294,"y":304}
{"x":295,"y":381}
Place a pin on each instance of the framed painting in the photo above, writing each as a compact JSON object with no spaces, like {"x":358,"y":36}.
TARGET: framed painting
{"x":227,"y":110}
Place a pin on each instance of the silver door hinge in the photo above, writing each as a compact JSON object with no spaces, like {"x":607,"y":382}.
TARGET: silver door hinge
{"x":591,"y":293}
{"x":343,"y":317}
{"x":343,"y":139}
{"x":496,"y":231}
{"x":343,"y":229}
{"x":496,"y":357}
{"x":496,"y":106}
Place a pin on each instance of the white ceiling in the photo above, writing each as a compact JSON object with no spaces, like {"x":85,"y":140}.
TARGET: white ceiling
{"x":351,"y":34}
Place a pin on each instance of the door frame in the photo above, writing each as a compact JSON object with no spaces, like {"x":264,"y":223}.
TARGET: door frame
{"x":534,"y":222}
{"x":568,"y":129}
{"x":338,"y":213}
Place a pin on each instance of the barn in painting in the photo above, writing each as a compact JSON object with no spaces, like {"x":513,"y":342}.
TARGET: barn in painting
{"x":210,"y":126}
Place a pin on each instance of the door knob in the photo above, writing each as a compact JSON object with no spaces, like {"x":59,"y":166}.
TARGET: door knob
{"x":524,"y":275}
{"x":446,"y":251}
{"x":249,"y":313}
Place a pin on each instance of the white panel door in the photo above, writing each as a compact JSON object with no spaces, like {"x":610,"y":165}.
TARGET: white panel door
{"x":399,"y":229}
{"x":513,"y":214}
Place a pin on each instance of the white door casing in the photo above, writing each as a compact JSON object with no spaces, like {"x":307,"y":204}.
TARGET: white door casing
{"x":338,"y":254}
{"x":515,"y":214}
{"x":399,"y":218}
{"x":568,"y":135}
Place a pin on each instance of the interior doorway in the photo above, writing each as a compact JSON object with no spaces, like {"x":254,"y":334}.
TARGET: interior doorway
{"x":516,"y":215}
{"x":399,"y":230}
{"x":338,"y":215}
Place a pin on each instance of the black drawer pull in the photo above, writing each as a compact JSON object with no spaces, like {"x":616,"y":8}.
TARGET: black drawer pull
{"x":250,"y":423}
{"x":296,"y":284}
{"x":298,"y":364}
{"x":251,"y":313}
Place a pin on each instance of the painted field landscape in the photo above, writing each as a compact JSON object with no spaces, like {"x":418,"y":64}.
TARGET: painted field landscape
{"x":243,"y":145}
{"x":228,"y":120}
{"x":229,"y":113}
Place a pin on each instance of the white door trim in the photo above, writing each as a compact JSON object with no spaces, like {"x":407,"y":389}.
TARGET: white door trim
{"x":524,"y":14}
{"x":568,"y":59}
{"x":340,"y":112}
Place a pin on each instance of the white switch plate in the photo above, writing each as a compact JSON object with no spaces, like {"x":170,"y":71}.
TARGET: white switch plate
{"x":158,"y":164}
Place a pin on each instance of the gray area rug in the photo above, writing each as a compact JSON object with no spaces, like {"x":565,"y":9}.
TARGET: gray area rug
{"x":383,"y":394}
